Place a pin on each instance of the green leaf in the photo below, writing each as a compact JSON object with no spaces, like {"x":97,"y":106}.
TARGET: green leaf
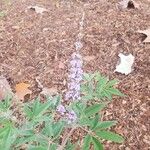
{"x":97,"y":145}
{"x":53,"y":147}
{"x":7,"y":137}
{"x":95,"y":121}
{"x":56,"y":101}
{"x":87,"y":97}
{"x":70,"y":146}
{"x":115,"y":91}
{"x":36,"y":110}
{"x":40,"y":139}
{"x":57,"y":129}
{"x":87,"y":142}
{"x":92,"y":110}
{"x":28,"y":111}
{"x":101,"y":85}
{"x":25,"y":132}
{"x":105,"y":124}
{"x":36,"y":148}
{"x":88,"y":77}
{"x":48,"y":129}
{"x":97,"y":76}
{"x":107,"y":135}
{"x":111,"y":83}
{"x":22,"y":140}
{"x":5,"y":105}
{"x":85,"y":121}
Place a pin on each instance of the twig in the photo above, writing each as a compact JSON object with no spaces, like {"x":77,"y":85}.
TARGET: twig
{"x":91,"y":133}
{"x":66,"y":139}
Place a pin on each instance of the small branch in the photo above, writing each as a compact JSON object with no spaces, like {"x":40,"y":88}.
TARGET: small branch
{"x":66,"y":139}
{"x":90,"y":133}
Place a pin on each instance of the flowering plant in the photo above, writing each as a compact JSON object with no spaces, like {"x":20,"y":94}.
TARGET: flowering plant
{"x":52,"y":125}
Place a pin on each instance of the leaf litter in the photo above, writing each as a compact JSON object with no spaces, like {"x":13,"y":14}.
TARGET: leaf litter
{"x":37,"y":9}
{"x":132,"y":144}
{"x":147,"y":33}
{"x":128,"y":4}
{"x":22,"y":90}
{"x":126,"y":62}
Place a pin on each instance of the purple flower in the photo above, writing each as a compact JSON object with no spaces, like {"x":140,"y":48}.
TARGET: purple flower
{"x":78,"y":45}
{"x":61,"y":109}
{"x":74,"y":77}
{"x":71,"y":117}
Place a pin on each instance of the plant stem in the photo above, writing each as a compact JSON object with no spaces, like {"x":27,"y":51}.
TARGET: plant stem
{"x":90,"y":133}
{"x":66,"y":139}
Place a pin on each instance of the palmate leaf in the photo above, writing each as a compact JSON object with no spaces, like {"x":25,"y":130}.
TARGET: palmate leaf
{"x":96,"y":144}
{"x":107,"y":135}
{"x":40,"y":108}
{"x":92,"y":110}
{"x":7,"y":136}
{"x":36,"y":109}
{"x":105,"y":87}
{"x":5,"y":105}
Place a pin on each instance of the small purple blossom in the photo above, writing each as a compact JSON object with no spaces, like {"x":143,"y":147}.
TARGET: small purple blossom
{"x":74,"y":77}
{"x":78,"y":45}
{"x":61,"y":109}
{"x":71,"y":117}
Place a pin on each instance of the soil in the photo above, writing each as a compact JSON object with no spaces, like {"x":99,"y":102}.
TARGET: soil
{"x":39,"y":46}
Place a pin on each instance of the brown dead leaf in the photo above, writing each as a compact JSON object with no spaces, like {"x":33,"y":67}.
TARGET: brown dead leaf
{"x":5,"y":88}
{"x":128,"y":4}
{"x":37,"y":9}
{"x":147,"y":33}
{"x":22,"y":90}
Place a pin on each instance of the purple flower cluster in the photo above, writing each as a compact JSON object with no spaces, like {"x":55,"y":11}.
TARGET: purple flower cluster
{"x":70,"y":115}
{"x":73,"y":93}
{"x":61,"y":109}
{"x":75,"y":77}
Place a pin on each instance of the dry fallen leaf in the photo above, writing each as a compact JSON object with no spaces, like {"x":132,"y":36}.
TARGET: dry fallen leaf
{"x":37,"y":9}
{"x":22,"y":90}
{"x":126,"y":62}
{"x":128,"y":4}
{"x":147,"y":33}
{"x":5,"y":88}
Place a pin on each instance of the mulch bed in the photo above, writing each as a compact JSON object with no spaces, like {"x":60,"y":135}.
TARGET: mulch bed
{"x":34,"y":45}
